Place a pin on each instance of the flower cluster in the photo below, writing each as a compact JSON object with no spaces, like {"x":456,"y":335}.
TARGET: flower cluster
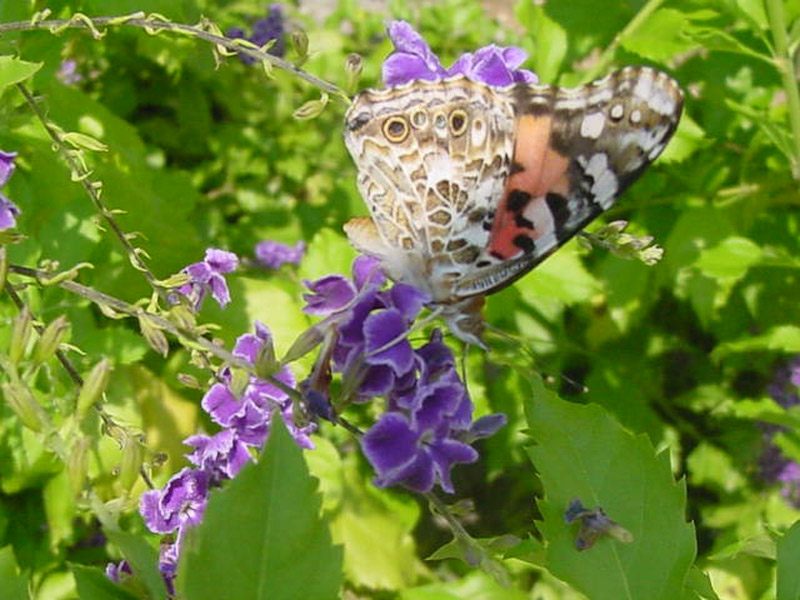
{"x":245,"y":417}
{"x":773,"y":465}
{"x":427,"y":426}
{"x":265,"y":30}
{"x":273,"y":254}
{"x":207,"y":276}
{"x":8,"y":210}
{"x":413,"y":59}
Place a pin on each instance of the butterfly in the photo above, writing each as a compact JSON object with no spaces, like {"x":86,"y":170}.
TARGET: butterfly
{"x":469,"y":186}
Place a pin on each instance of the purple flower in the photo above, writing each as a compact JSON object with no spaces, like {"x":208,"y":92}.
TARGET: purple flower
{"x":181,"y":503}
{"x":269,"y":28}
{"x":221,"y":456}
{"x":68,"y":72}
{"x":207,"y":276}
{"x":249,"y":416}
{"x":8,"y":213}
{"x":789,"y":477}
{"x":7,"y":166}
{"x":274,"y":254}
{"x":118,"y":572}
{"x":413,"y":59}
{"x":8,"y":210}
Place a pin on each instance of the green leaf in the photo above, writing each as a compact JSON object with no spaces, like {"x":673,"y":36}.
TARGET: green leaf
{"x":477,"y":585}
{"x":699,"y":582}
{"x":549,"y":38}
{"x":92,"y":584}
{"x":270,"y":512}
{"x":13,"y":585}
{"x":13,"y":70}
{"x":142,"y":558}
{"x":581,"y":452}
{"x":783,"y":338}
{"x":660,"y":36}
{"x":788,"y":559}
{"x":731,"y":258}
{"x":375,"y":526}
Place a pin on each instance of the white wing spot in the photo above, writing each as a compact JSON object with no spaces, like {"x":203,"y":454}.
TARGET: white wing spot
{"x":636,"y":116}
{"x":592,"y":125}
{"x":617,"y":111}
{"x":605,"y":186}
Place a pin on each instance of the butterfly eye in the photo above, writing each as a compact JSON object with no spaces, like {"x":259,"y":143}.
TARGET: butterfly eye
{"x":419,"y":119}
{"x":395,"y":129}
{"x":458,"y":121}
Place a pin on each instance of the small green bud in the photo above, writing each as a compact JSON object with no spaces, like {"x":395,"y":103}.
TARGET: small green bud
{"x":93,"y":386}
{"x":78,"y":464}
{"x":153,"y":336}
{"x":20,"y":335}
{"x":266,"y":363}
{"x":305,"y":343}
{"x":51,"y":339}
{"x":22,"y":402}
{"x":300,"y":45}
{"x":352,"y":68}
{"x":132,"y":457}
{"x":239,"y":381}
{"x":311,"y":109}
{"x":190,"y":381}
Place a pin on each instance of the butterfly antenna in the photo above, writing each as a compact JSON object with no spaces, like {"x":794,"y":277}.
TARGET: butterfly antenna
{"x":547,"y":374}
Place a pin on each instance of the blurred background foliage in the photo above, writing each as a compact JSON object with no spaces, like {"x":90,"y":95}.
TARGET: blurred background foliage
{"x":689,"y":352}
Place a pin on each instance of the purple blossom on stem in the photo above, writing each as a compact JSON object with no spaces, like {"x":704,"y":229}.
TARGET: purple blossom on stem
{"x":8,"y":210}
{"x":275,"y":254}
{"x":117,"y":572}
{"x":427,"y":426}
{"x":207,"y":276}
{"x":68,"y":72}
{"x":413,"y":59}
{"x":181,"y":503}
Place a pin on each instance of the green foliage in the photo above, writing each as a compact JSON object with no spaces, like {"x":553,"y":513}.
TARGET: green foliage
{"x":661,"y":404}
{"x":271,"y":509}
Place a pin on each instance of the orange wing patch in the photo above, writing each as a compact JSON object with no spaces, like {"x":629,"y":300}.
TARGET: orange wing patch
{"x":523,"y":215}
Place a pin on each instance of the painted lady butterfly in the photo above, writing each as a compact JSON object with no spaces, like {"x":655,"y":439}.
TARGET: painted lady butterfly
{"x":469,"y":187}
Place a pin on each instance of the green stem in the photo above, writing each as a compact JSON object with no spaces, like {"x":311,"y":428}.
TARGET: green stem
{"x":783,"y":62}
{"x":92,"y":191}
{"x":151,"y":24}
{"x":608,"y":54}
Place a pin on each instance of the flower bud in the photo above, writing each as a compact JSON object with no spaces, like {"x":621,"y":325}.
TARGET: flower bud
{"x":153,"y":336}
{"x":78,"y":464}
{"x":190,"y":381}
{"x":20,"y":334}
{"x":266,"y":363}
{"x":311,"y":109}
{"x":132,"y":457}
{"x":51,"y":339}
{"x":93,"y":387}
{"x":21,"y":400}
{"x":305,"y":343}
{"x":240,"y":379}
{"x":300,"y":45}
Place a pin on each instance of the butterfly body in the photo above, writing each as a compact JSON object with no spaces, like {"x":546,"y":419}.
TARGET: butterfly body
{"x":469,"y":187}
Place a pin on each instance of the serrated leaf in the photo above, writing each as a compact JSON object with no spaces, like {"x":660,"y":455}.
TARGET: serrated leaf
{"x":700,"y":583}
{"x":549,"y":37}
{"x":730,"y":259}
{"x":661,"y":35}
{"x":788,"y":559}
{"x":581,"y":452}
{"x":13,"y":70}
{"x":270,"y":511}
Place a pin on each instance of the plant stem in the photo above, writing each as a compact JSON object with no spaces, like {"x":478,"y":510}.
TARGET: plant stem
{"x":83,"y":177}
{"x":608,"y":54}
{"x":150,"y":23}
{"x":783,"y":62}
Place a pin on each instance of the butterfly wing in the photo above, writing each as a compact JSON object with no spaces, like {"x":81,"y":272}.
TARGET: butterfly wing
{"x":576,"y":150}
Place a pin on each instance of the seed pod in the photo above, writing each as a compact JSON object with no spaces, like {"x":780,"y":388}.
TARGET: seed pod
{"x":20,"y":334}
{"x":93,"y":386}
{"x":352,"y":68}
{"x":51,"y":339}
{"x":24,"y":405}
{"x":78,"y":464}
{"x":132,"y":456}
{"x":300,"y":45}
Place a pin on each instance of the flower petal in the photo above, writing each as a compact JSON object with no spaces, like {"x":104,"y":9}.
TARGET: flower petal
{"x":447,"y":453}
{"x":329,"y":294}
{"x":221,"y":261}
{"x":390,"y":443}
{"x":383,"y":327}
